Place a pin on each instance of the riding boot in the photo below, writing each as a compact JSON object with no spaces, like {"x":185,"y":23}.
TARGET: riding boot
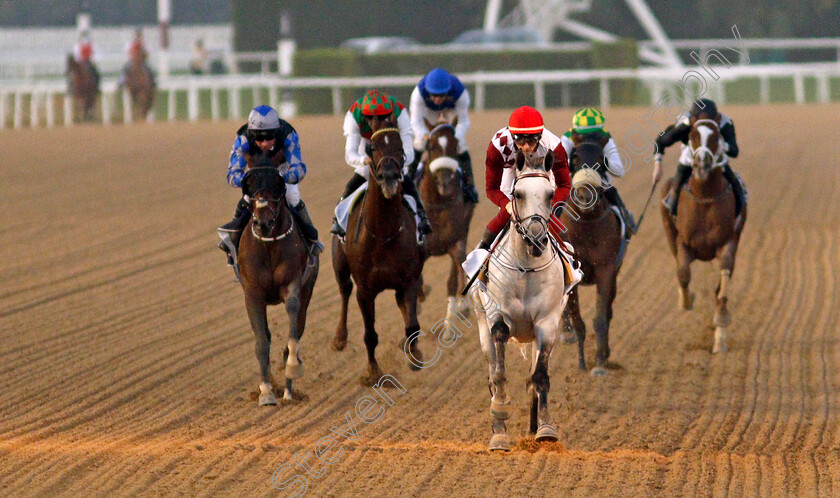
{"x":304,"y":221}
{"x":611,"y":194}
{"x":355,"y":182}
{"x":737,"y":189}
{"x":235,"y":226}
{"x":411,"y":169}
{"x":671,"y":200}
{"x":470,"y":193}
{"x":410,"y":189}
{"x":487,"y":239}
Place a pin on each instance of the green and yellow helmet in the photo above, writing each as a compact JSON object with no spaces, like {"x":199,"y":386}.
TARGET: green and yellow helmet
{"x":588,"y":120}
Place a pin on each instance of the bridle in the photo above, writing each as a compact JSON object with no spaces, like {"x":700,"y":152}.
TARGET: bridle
{"x":265,"y":202}
{"x":383,"y":158}
{"x":719,"y":158}
{"x":522,"y":225}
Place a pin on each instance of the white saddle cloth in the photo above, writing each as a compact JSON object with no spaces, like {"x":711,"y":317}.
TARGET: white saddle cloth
{"x":342,"y":210}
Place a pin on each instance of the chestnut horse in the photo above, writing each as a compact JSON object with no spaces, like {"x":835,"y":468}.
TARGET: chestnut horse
{"x":705,"y":227}
{"x":138,"y":81}
{"x":594,"y":229}
{"x":83,"y":87}
{"x":442,"y":195}
{"x":380,"y":251}
{"x":275,"y":268}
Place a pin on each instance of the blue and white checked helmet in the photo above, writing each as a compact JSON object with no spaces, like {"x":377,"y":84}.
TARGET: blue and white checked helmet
{"x":263,"y":118}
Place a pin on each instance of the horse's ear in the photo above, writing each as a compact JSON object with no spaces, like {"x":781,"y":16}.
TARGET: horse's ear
{"x":605,"y":139}
{"x":455,"y":121}
{"x":369,"y":150}
{"x":429,"y":125}
{"x":548,"y":162}
{"x":520,"y":160}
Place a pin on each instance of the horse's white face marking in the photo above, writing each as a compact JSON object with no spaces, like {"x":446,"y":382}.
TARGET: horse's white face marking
{"x":443,"y":141}
{"x":387,"y":140}
{"x":260,"y":203}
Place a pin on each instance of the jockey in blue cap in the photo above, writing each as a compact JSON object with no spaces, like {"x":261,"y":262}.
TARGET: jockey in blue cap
{"x":442,"y":96}
{"x":266,"y":133}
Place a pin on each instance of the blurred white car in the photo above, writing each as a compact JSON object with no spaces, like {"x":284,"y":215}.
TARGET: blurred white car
{"x":501,"y":36}
{"x":374,"y":44}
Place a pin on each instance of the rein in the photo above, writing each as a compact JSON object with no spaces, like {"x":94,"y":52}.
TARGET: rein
{"x":520,"y":229}
{"x":270,"y":239}
{"x":709,"y":200}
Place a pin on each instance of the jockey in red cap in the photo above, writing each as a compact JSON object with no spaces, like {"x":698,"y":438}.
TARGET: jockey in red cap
{"x":526,"y":132}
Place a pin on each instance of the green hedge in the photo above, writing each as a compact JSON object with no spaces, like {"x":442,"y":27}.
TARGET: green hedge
{"x":337,"y":62}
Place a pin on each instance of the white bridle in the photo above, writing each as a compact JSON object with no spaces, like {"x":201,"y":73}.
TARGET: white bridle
{"x":705,"y":127}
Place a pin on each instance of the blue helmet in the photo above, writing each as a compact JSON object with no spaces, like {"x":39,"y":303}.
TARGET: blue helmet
{"x":438,"y":81}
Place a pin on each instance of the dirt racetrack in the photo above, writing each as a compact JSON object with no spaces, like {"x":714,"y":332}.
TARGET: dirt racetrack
{"x":128,"y":366}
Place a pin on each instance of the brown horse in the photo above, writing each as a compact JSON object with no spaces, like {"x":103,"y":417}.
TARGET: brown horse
{"x":83,"y":86}
{"x":441,"y":192}
{"x":594,"y":229}
{"x":138,"y":80}
{"x":380,"y":251}
{"x":276,"y":268}
{"x":705,"y":227}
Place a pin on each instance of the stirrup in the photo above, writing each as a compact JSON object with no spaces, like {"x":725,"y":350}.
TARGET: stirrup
{"x":231,"y":251}
{"x":336,"y":229}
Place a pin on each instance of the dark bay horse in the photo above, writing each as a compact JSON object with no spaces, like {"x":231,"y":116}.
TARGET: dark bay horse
{"x":138,"y":80}
{"x":83,"y":87}
{"x":705,"y":227}
{"x":594,"y":229}
{"x":275,"y":268}
{"x":441,"y":192}
{"x":380,"y":251}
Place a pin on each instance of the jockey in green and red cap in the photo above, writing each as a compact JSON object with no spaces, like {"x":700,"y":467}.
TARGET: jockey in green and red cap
{"x":373,"y":111}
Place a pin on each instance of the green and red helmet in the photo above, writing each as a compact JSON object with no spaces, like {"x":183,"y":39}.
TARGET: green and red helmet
{"x":376,"y":103}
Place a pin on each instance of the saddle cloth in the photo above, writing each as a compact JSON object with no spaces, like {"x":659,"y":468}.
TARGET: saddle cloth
{"x":342,"y":210}
{"x":478,"y":259}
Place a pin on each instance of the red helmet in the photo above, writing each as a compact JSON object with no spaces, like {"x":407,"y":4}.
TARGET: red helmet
{"x":376,"y":103}
{"x":525,"y":121}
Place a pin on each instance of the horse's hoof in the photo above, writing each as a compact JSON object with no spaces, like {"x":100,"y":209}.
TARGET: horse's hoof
{"x":294,"y":371}
{"x":372,"y":377}
{"x":499,"y":442}
{"x":287,"y":395}
{"x":598,"y":372}
{"x":568,"y":337}
{"x":339,"y":344}
{"x":546,"y":433}
{"x":267,"y":399}
{"x":500,"y":411}
{"x":686,"y":301}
